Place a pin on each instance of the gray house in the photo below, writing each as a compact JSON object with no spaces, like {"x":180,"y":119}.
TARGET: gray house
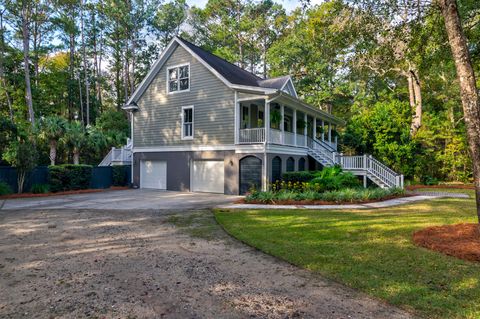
{"x":202,"y":124}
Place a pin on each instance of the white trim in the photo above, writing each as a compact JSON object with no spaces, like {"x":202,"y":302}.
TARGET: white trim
{"x":153,"y":71}
{"x":178,"y":66}
{"x":236,"y":125}
{"x":183,"y":122}
{"x":186,"y":148}
{"x":293,"y":86}
{"x":286,"y":149}
{"x":239,"y":149}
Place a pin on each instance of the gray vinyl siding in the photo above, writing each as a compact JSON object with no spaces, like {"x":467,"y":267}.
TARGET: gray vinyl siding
{"x":158,"y":121}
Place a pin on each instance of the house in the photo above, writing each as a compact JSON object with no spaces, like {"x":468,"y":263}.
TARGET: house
{"x":202,"y":124}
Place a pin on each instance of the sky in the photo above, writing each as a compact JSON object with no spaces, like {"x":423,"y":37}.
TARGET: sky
{"x":287,"y":4}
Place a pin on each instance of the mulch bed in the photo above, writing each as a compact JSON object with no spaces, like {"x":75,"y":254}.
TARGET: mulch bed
{"x":460,"y":186}
{"x":460,"y":240}
{"x":319,"y":202}
{"x":80,"y":191}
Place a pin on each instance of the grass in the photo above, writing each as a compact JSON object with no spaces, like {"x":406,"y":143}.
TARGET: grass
{"x":199,"y":224}
{"x":469,"y":192}
{"x":371,"y":250}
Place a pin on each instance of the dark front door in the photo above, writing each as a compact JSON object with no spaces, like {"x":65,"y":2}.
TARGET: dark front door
{"x":250,"y":174}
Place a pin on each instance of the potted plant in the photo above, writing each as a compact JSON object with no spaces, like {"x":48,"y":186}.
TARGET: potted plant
{"x":275,"y":118}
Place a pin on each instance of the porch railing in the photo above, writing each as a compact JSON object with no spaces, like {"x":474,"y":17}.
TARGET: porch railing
{"x":252,"y":135}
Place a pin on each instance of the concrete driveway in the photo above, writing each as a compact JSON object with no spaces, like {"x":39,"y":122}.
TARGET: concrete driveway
{"x":132,"y":199}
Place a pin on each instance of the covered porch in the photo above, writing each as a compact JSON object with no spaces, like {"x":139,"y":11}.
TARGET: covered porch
{"x":283,"y":121}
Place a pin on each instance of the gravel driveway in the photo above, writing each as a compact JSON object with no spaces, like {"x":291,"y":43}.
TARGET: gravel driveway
{"x":112,"y":264}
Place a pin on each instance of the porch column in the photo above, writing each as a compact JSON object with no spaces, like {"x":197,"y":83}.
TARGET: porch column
{"x":267,"y":121}
{"x":323,"y":130}
{"x":282,"y":123}
{"x":314,"y":128}
{"x":295,"y":127}
{"x":305,"y":121}
{"x":237,"y":120}
{"x":330,"y":132}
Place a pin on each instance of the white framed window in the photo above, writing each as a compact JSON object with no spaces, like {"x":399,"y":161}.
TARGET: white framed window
{"x":178,"y":78}
{"x":187,"y":122}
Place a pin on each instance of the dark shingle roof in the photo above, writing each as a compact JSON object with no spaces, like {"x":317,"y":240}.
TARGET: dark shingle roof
{"x":233,"y":73}
{"x":274,"y":83}
{"x":229,"y":71}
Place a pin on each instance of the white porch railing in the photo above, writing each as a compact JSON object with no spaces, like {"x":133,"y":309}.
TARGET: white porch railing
{"x":276,"y":136}
{"x":252,"y":135}
{"x":118,"y":156}
{"x":289,"y":138}
{"x":371,"y":166}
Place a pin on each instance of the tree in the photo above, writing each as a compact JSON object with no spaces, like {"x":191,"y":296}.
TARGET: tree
{"x":52,"y":128}
{"x":168,"y":20}
{"x":75,"y":139}
{"x":23,"y":156}
{"x":468,"y":88}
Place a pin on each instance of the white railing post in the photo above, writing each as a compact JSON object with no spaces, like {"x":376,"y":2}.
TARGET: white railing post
{"x":294,"y":127}
{"x":365,"y":162}
{"x":314,"y":128}
{"x":282,"y":124}
{"x":323,"y":131}
{"x":305,"y":119}
{"x":267,"y":122}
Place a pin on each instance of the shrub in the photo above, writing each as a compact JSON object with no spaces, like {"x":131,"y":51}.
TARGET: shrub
{"x":119,"y":175}
{"x":40,"y":188}
{"x":69,"y":177}
{"x":333,"y":178}
{"x":338,"y":196}
{"x":5,"y":189}
{"x":305,"y":176}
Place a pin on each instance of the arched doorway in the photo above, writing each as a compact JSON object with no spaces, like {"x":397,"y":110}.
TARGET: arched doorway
{"x":290,"y":164}
{"x":276,"y":169}
{"x":301,"y":164}
{"x":250,"y":174}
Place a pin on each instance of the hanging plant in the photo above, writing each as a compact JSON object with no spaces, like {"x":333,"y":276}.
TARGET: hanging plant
{"x":275,"y":117}
{"x":301,"y":124}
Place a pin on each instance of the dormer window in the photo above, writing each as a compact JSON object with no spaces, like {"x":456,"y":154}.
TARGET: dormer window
{"x":178,"y":78}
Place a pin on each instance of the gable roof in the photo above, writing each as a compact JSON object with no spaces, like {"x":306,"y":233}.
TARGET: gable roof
{"x":229,"y":71}
{"x":232,"y":75}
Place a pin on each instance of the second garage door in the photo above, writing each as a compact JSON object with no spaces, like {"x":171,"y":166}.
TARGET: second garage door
{"x":208,"y":176}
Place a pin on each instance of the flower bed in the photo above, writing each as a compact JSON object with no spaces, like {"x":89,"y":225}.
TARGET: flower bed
{"x":311,"y":197}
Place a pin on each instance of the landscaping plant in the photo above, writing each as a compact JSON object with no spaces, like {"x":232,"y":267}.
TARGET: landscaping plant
{"x":23,"y":156}
{"x":5,"y":189}
{"x":40,"y":188}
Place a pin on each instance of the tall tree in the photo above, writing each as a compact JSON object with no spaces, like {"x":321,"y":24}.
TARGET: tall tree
{"x":468,"y":85}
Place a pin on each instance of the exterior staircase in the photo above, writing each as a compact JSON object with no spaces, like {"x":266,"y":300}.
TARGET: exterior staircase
{"x":118,"y":156}
{"x":361,"y":165}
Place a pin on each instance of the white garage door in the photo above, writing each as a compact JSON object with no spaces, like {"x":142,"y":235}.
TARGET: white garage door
{"x":153,"y":174}
{"x":208,"y":176}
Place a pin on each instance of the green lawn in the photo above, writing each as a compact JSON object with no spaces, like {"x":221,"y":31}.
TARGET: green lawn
{"x":469,"y":192}
{"x":371,"y":251}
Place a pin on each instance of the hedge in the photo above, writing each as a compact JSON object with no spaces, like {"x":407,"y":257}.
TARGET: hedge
{"x":120,"y":175}
{"x":69,"y":177}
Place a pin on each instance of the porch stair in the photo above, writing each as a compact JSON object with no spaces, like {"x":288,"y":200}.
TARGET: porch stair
{"x":118,"y":156}
{"x":361,"y":165}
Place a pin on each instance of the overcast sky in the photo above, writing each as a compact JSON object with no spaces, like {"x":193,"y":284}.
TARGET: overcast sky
{"x":288,"y":4}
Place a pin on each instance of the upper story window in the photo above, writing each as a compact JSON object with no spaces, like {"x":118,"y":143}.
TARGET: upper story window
{"x":178,"y":78}
{"x":187,"y":122}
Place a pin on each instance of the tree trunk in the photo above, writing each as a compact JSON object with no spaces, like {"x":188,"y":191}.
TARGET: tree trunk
{"x":468,"y":89}
{"x":76,"y":157}
{"x":20,"y":180}
{"x":2,"y":72}
{"x":53,"y":151}
{"x":415,"y":94}
{"x":26,"y":60}
{"x":85,"y":71}
{"x":72,"y":75}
